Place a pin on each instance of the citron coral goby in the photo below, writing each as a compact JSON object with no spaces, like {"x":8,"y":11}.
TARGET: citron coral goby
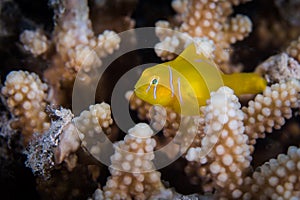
{"x":185,"y":83}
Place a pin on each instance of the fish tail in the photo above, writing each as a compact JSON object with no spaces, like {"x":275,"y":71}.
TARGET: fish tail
{"x":245,"y":83}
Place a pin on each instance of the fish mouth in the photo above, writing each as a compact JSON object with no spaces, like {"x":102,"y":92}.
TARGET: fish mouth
{"x":141,"y":93}
{"x":138,"y":91}
{"x":140,"y":96}
{"x":141,"y":89}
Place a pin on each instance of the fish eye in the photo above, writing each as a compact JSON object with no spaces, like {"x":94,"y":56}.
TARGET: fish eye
{"x":154,"y":81}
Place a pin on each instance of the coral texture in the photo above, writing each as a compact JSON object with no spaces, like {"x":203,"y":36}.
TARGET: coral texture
{"x":66,"y":135}
{"x":224,"y":153}
{"x":294,"y":49}
{"x":227,"y":132}
{"x":74,"y":38}
{"x":91,"y":124}
{"x":160,"y":118}
{"x":26,"y":98}
{"x":75,"y":45}
{"x":204,"y":19}
{"x":276,"y":179}
{"x":270,"y":109}
{"x":133,"y":175}
{"x":278,"y":68}
{"x":40,"y":151}
{"x":223,"y":134}
{"x":35,"y":42}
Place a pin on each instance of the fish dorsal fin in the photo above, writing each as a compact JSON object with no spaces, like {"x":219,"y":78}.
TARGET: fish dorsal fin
{"x":193,"y":64}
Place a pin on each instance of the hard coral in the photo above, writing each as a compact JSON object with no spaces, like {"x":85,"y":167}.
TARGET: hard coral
{"x":294,"y":49}
{"x":279,"y":67}
{"x":133,"y":175}
{"x":40,"y":151}
{"x":159,"y":117}
{"x":227,"y":132}
{"x":91,"y":126}
{"x":206,"y":18}
{"x":84,"y":131}
{"x":224,"y":153}
{"x":270,"y":109}
{"x":26,"y":98}
{"x":65,"y":137}
{"x":276,"y":179}
{"x":112,"y":15}
{"x":76,"y":47}
{"x":35,"y":42}
{"x":74,"y":38}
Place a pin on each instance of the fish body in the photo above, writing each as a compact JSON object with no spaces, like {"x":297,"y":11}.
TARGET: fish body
{"x":185,"y":83}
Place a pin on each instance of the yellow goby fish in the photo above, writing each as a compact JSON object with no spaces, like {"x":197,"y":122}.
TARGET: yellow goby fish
{"x":185,"y":83}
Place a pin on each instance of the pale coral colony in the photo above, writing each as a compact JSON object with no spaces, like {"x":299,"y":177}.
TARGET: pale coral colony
{"x":255,"y":152}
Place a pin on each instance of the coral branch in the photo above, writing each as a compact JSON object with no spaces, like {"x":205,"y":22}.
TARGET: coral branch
{"x":74,"y":37}
{"x":65,"y":136}
{"x":205,"y":19}
{"x":270,"y":109}
{"x":92,"y":124}
{"x":75,"y":45}
{"x":278,"y":68}
{"x":26,"y":99}
{"x":132,"y":170}
{"x":35,"y":42}
{"x":224,"y":154}
{"x":276,"y":179}
{"x":160,"y":118}
{"x":294,"y":49}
